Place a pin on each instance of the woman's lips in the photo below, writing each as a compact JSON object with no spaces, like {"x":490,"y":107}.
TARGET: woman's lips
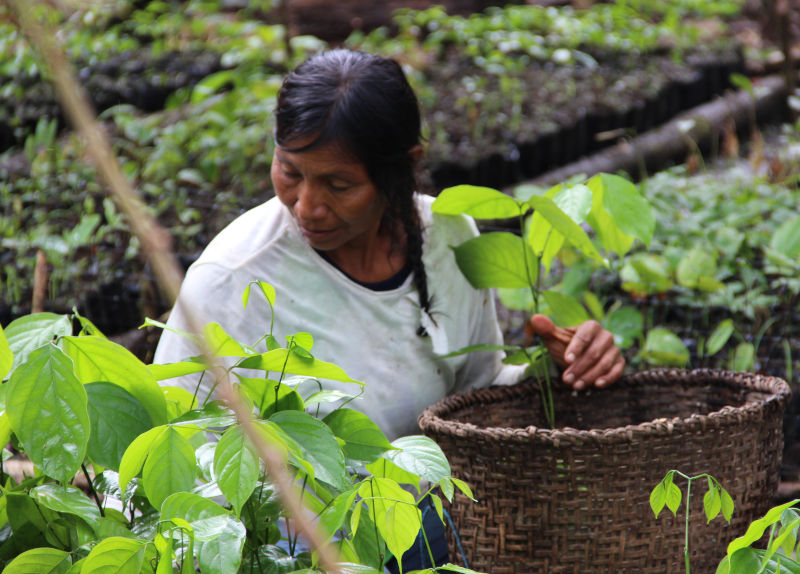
{"x":316,"y":234}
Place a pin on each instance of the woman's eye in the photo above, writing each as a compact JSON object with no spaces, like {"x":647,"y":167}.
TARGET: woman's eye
{"x":338,"y":186}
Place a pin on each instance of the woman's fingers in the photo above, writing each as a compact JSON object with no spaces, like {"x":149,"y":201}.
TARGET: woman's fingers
{"x":587,"y":351}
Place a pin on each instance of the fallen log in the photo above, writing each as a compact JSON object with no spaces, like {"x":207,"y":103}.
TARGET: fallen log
{"x":700,"y":127}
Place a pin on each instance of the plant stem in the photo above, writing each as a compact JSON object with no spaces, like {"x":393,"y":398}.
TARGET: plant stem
{"x":94,"y":492}
{"x":425,"y":537}
{"x":686,"y":535}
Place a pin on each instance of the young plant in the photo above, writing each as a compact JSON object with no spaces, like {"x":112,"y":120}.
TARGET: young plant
{"x":549,"y":223}
{"x":715,"y":500}
{"x":782,"y":552}
{"x":164,"y":497}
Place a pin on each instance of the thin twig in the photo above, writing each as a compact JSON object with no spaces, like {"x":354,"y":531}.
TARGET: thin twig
{"x":156,"y":245}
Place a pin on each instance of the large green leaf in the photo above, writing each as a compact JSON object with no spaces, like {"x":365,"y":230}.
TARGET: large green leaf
{"x":497,"y":259}
{"x":220,"y":343}
{"x":478,"y":202}
{"x":117,"y":554}
{"x":48,"y":411}
{"x":719,"y":337}
{"x":271,"y":396}
{"x":786,"y":239}
{"x":40,"y":561}
{"x":284,"y":360}
{"x":98,"y":359}
{"x":67,"y":499}
{"x":179,"y":369}
{"x":134,"y":456}
{"x":219,"y":536}
{"x":237,"y":467}
{"x":563,"y":224}
{"x":663,"y":347}
{"x":420,"y":455}
{"x":363,"y":439}
{"x":334,"y":515}
{"x":394,"y":512}
{"x":695,"y":265}
{"x":318,"y":445}
{"x":566,"y":311}
{"x":626,"y":324}
{"x":32,"y":331}
{"x":383,"y":468}
{"x":117,"y":418}
{"x":6,"y":356}
{"x":631,"y":212}
{"x":170,"y":466}
{"x":575,"y":201}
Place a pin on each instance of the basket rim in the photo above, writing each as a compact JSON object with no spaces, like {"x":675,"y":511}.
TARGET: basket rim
{"x":431,"y":420}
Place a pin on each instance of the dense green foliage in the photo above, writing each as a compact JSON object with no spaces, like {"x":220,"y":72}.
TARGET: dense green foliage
{"x":182,"y":484}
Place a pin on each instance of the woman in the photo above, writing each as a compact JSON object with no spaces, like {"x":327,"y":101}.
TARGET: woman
{"x":359,"y":260}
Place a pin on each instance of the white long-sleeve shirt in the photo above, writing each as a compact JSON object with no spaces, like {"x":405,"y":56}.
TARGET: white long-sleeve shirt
{"x":372,"y":335}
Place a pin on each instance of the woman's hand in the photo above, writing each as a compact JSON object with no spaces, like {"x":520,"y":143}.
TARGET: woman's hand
{"x":587,"y":353}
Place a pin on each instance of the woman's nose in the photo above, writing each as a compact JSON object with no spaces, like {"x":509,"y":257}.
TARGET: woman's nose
{"x":310,"y":202}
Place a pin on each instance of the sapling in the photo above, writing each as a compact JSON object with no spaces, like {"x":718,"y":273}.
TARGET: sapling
{"x":668,"y":493}
{"x":609,"y":205}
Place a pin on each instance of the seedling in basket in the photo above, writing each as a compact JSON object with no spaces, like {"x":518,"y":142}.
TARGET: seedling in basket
{"x":610,"y":205}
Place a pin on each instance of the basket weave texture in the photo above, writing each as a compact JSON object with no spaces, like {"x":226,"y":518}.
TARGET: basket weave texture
{"x":576,"y":499}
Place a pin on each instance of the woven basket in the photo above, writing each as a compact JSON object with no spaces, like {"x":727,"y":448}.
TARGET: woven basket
{"x":576,"y":499}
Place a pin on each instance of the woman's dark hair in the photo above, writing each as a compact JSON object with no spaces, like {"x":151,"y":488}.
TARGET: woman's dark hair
{"x":364,"y":104}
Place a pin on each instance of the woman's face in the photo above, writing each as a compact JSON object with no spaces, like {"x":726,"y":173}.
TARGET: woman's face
{"x":330,"y":195}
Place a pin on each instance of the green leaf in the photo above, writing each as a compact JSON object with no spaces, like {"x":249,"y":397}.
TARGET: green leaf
{"x":135,"y":455}
{"x":757,"y":528}
{"x":567,"y":311}
{"x":364,"y":441}
{"x":117,"y":418}
{"x":333,"y":517}
{"x":170,"y":370}
{"x":211,"y":414}
{"x":662,"y":347}
{"x":744,"y":357}
{"x":477,"y":202}
{"x":449,"y":567}
{"x":726,"y":502}
{"x":694,"y":266}
{"x":626,"y":324}
{"x":170,"y":466}
{"x":394,"y":512}
{"x":218,"y":534}
{"x":67,"y":499}
{"x":479,"y":347}
{"x":283,"y":360}
{"x":673,"y":497}
{"x":497,"y":259}
{"x":317,"y":444}
{"x":266,"y":289}
{"x":645,"y":274}
{"x":383,"y":468}
{"x":712,"y":502}
{"x":786,"y":239}
{"x":116,"y":554}
{"x":420,"y":455}
{"x":271,"y":396}
{"x":437,"y":504}
{"x":98,"y":359}
{"x":563,"y":224}
{"x":48,"y":411}
{"x":220,"y":343}
{"x":6,"y":356}
{"x":30,"y":332}
{"x":237,"y":467}
{"x":658,"y":498}
{"x":40,"y":561}
{"x":631,"y":212}
{"x":720,"y":336}
{"x":463,"y":487}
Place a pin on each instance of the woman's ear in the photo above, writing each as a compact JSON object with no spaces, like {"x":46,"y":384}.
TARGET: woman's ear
{"x":415,"y":153}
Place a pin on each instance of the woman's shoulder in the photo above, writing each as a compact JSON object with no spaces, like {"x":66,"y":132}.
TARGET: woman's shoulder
{"x":251,"y":232}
